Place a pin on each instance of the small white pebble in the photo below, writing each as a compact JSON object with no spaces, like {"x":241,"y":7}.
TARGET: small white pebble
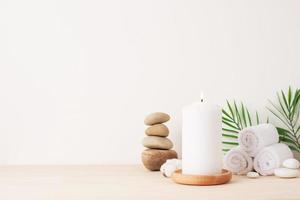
{"x":286,"y":173}
{"x":175,"y":162}
{"x":252,"y":175}
{"x":170,"y":166}
{"x":167,"y":169}
{"x":171,"y":161}
{"x":291,"y":163}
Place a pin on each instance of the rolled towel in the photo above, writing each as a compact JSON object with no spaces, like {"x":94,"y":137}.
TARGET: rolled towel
{"x":271,"y":157}
{"x":238,"y":161}
{"x":254,"y":138}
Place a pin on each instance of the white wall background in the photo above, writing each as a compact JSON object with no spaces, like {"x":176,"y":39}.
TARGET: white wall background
{"x":77,"y":77}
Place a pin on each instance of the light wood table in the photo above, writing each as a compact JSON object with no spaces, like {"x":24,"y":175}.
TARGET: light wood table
{"x":129,"y":182}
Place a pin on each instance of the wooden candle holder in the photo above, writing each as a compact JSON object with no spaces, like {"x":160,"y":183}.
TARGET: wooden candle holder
{"x":217,"y":179}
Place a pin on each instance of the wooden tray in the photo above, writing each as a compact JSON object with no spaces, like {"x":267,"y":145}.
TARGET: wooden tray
{"x":217,"y":179}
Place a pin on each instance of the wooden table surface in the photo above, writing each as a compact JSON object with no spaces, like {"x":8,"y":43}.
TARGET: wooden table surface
{"x":129,"y":182}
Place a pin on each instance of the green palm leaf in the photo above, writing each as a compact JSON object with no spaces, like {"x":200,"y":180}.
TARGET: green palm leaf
{"x":225,"y":150}
{"x":229,"y":136}
{"x":249,"y":118}
{"x":257,"y":118}
{"x":287,"y":112}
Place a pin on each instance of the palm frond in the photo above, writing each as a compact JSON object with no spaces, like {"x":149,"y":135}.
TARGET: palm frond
{"x":287,"y":111}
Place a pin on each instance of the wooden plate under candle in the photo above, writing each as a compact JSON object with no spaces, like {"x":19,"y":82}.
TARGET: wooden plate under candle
{"x":186,"y":179}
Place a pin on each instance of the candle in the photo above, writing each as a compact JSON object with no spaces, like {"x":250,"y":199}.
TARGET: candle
{"x":201,"y":139}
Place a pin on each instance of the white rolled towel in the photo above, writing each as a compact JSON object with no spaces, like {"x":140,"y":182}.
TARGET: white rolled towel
{"x":254,"y":138}
{"x":271,"y":157}
{"x":238,"y":161}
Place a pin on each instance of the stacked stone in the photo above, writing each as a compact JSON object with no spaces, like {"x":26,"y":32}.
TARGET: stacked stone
{"x":157,"y":144}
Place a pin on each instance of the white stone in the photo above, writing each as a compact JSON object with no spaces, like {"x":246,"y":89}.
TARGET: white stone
{"x":171,"y":161}
{"x":291,"y":163}
{"x":286,"y":173}
{"x":252,"y":175}
{"x":170,"y":166}
{"x":175,"y":162}
{"x":167,"y":169}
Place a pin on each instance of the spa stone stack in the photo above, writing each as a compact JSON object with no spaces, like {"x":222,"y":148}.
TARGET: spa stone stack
{"x":157,"y":144}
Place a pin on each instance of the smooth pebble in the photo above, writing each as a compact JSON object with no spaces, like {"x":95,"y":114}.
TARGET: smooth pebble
{"x":154,"y":158}
{"x":286,"y":173}
{"x":155,"y":142}
{"x":291,"y":163}
{"x":175,"y":162}
{"x":156,"y":118}
{"x":252,"y":175}
{"x":168,"y":169}
{"x":157,"y":130}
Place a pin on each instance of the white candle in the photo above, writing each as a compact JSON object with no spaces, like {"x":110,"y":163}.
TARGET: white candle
{"x":201,"y":139}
